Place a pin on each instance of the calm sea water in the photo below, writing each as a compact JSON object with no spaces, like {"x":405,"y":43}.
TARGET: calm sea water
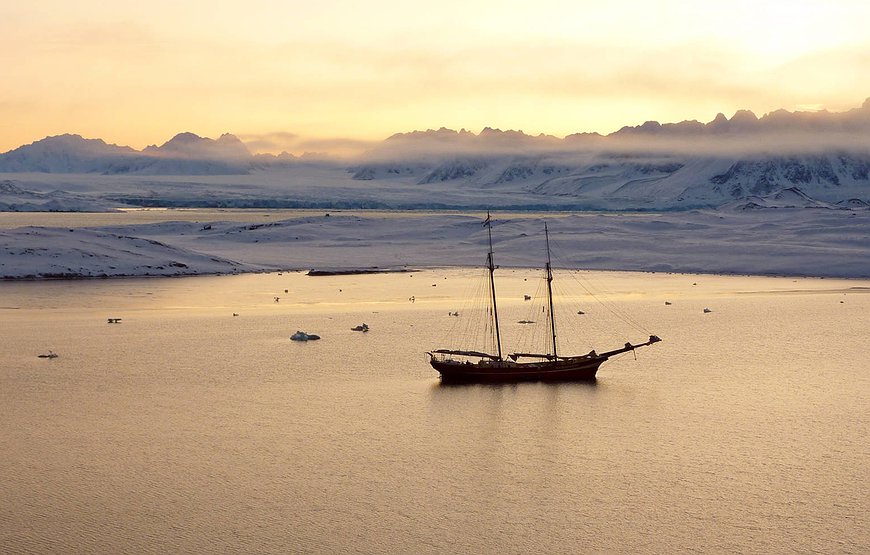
{"x":188,"y":429}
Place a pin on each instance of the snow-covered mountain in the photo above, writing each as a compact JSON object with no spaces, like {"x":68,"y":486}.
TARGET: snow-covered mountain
{"x":64,"y":154}
{"x":192,"y":146}
{"x":652,"y":166}
{"x":614,"y":180}
{"x":595,"y":182}
{"x":190,"y":154}
{"x":184,"y":154}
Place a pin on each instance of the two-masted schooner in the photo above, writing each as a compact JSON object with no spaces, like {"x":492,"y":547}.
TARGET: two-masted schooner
{"x":481,"y":367}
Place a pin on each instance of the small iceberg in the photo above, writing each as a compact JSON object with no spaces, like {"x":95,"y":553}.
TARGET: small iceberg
{"x":362,"y":327}
{"x":302,"y":336}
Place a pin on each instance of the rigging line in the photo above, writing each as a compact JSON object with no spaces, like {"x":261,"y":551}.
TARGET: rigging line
{"x":466,"y":327}
{"x":535,"y":339}
{"x":609,"y":305}
{"x":477,"y":329}
{"x":581,"y":328}
{"x":474,"y":315}
{"x":451,"y":332}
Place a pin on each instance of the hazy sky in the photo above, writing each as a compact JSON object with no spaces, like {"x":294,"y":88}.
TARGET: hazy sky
{"x":136,"y":73}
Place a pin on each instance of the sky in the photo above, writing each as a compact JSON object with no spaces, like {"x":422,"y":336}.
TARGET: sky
{"x":332,"y":75}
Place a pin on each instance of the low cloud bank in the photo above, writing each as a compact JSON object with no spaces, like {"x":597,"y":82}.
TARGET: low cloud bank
{"x":779,"y":132}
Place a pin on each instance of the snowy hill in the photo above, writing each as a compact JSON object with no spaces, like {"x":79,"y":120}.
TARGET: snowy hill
{"x":36,"y":252}
{"x":791,"y":197}
{"x":64,"y":154}
{"x":16,"y":199}
{"x":785,"y":241}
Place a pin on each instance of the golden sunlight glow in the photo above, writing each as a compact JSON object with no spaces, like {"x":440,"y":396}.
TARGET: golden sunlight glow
{"x":136,"y":73}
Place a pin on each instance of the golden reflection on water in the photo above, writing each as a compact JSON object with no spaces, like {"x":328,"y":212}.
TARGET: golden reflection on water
{"x":187,"y":429}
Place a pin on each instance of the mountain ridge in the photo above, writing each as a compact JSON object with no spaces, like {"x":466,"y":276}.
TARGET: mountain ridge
{"x":185,"y":153}
{"x":227,"y":146}
{"x":651,"y":166}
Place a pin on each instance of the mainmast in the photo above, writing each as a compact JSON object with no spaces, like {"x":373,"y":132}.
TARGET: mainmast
{"x":491,"y":266}
{"x":550,"y":292}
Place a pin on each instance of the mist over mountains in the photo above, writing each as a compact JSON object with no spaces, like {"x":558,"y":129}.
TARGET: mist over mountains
{"x":779,"y":132}
{"x":824,"y":155}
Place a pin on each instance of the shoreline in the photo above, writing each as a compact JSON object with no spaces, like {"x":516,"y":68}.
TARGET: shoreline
{"x":427,"y":268}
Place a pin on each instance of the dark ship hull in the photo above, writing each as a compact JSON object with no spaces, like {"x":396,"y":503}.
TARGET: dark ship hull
{"x":507,"y":371}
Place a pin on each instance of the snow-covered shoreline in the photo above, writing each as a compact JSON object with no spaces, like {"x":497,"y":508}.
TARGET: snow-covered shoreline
{"x":783,"y":242}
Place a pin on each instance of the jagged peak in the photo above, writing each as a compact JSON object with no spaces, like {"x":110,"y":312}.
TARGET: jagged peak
{"x":69,"y":138}
{"x":584,"y":135}
{"x":73,"y":141}
{"x":498,"y":133}
{"x":228,"y":138}
{"x":443,"y":133}
{"x":191,"y":144}
{"x":744,"y":115}
{"x":650,"y":126}
{"x":183,"y":137}
{"x":66,"y":136}
{"x":490,"y":131}
{"x":417,"y":134}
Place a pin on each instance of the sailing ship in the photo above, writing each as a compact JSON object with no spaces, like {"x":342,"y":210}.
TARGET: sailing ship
{"x":469,"y":366}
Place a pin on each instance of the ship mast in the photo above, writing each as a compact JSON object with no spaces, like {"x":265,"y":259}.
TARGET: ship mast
{"x":491,"y":266}
{"x":550,"y":291}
